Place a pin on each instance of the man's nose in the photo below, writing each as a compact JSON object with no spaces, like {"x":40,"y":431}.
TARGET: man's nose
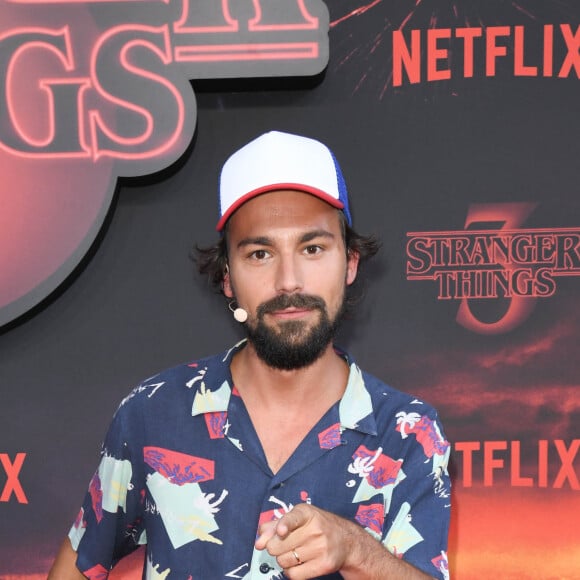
{"x":289,"y":275}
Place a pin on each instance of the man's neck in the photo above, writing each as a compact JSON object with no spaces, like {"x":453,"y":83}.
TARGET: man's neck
{"x":321,"y":382}
{"x":285,"y":405}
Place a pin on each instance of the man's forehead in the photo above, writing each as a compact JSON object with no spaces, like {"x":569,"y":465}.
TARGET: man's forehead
{"x":284,"y":207}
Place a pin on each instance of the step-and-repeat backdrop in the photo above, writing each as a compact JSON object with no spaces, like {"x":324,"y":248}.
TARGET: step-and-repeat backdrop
{"x":457,"y":126}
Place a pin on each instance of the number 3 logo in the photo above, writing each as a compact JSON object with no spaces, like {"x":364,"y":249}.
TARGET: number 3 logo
{"x":508,"y":216}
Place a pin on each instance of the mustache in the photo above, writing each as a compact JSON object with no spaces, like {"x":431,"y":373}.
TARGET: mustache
{"x":284,"y":301}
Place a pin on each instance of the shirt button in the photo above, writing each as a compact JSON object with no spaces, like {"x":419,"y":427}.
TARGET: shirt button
{"x":265,"y":568}
{"x":279,"y":485}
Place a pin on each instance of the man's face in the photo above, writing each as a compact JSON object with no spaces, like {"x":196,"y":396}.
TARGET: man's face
{"x":288,"y":269}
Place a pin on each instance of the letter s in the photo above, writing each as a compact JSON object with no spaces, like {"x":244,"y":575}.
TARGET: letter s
{"x":130,"y":67}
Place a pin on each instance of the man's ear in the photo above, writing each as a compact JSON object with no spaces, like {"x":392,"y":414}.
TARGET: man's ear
{"x":227,"y":284}
{"x":352,"y":266}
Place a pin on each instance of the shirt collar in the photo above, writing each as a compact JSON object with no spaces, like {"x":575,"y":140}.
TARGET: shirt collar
{"x":214,"y":380}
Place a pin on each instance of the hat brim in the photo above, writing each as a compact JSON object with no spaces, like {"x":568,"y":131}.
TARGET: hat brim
{"x":277,"y":187}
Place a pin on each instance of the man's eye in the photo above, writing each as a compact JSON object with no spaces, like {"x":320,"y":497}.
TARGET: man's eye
{"x":259,"y":254}
{"x":312,"y":250}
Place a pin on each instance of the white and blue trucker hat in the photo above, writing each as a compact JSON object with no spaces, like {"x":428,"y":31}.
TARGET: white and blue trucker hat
{"x":276,"y":161}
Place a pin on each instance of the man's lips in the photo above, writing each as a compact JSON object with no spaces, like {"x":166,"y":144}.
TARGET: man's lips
{"x":290,"y":313}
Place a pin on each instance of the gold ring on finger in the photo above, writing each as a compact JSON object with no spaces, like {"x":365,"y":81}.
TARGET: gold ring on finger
{"x":298,"y":560}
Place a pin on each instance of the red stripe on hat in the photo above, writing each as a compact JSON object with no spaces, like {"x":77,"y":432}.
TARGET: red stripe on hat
{"x":277,"y":187}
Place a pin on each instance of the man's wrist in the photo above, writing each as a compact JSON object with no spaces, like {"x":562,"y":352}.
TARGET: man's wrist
{"x":364,"y":549}
{"x":370,"y":560}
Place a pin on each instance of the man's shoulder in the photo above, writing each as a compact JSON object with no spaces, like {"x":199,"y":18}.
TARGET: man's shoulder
{"x":384,"y":395}
{"x":396,"y":411}
{"x":185,"y":370}
{"x":186,"y":378}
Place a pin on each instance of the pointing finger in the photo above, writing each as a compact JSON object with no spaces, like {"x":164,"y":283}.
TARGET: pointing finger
{"x":266,"y":532}
{"x":297,"y":517}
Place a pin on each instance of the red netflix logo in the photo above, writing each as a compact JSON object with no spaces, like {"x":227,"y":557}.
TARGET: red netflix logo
{"x":492,"y":458}
{"x":426,"y":55}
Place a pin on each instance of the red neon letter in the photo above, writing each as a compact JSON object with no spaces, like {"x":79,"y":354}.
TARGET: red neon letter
{"x":268,"y":14}
{"x":548,"y":50}
{"x":12,"y":471}
{"x":213,"y":15}
{"x":490,"y":463}
{"x":517,"y":480}
{"x":573,"y":57}
{"x":468,"y":34}
{"x":54,"y":129}
{"x":434,"y":54}
{"x":402,"y":56}
{"x":492,"y":50}
{"x":567,"y":457}
{"x":150,"y":128}
{"x":542,"y":463}
{"x":520,"y":69}
{"x":467,"y":447}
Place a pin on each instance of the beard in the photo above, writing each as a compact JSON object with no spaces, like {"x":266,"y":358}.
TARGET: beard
{"x":293,"y":345}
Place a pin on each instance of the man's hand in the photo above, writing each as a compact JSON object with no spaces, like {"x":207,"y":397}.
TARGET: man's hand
{"x":309,"y":542}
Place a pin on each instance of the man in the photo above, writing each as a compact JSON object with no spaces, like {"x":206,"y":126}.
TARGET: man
{"x":279,"y":458}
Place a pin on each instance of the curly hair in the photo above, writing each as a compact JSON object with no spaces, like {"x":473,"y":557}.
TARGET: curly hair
{"x":213,"y":260}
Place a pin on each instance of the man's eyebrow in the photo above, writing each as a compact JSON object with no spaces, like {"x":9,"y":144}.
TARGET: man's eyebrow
{"x":309,"y":236}
{"x":265,"y":241}
{"x":257,"y":241}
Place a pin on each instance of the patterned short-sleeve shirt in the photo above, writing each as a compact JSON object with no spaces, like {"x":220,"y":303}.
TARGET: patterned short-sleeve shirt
{"x":183,"y":471}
